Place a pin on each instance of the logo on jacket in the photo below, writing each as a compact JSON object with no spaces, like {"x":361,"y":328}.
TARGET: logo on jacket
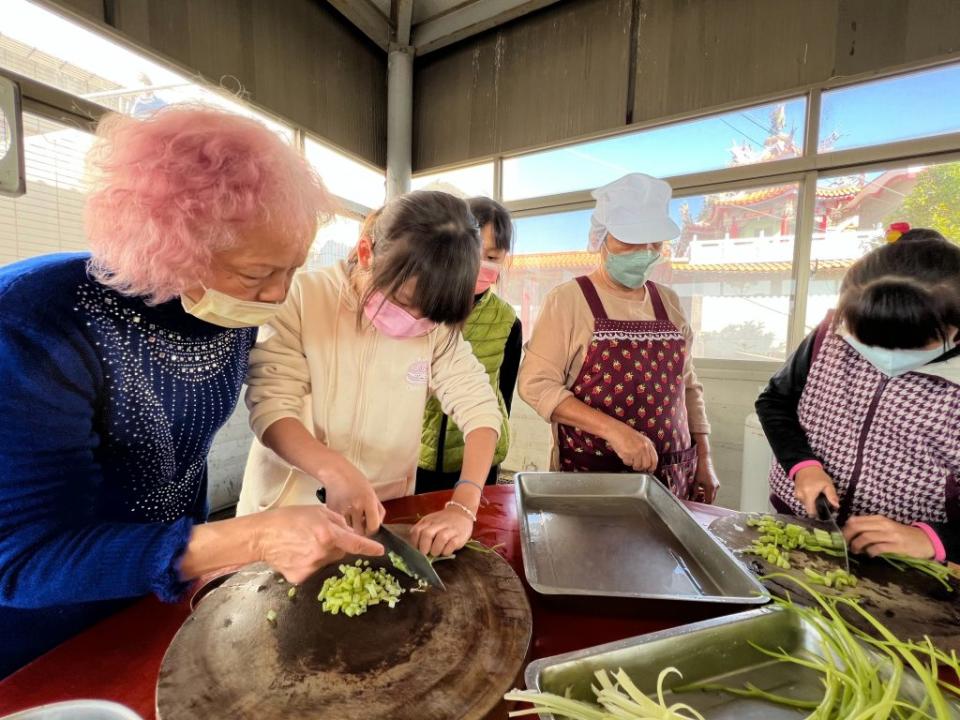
{"x":418,"y":373}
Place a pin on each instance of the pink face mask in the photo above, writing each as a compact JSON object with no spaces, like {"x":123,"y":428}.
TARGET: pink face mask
{"x":393,"y":321}
{"x":489,"y":272}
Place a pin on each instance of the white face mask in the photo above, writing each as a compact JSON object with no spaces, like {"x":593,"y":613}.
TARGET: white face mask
{"x":218,"y":308}
{"x":894,"y":363}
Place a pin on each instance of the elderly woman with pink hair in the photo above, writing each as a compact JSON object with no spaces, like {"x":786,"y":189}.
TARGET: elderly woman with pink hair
{"x":117,"y":368}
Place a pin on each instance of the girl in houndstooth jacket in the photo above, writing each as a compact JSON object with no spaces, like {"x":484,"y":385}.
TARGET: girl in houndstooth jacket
{"x":867,"y":410}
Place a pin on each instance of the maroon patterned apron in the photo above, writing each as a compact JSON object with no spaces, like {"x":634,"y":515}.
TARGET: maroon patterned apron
{"x":633,"y":371}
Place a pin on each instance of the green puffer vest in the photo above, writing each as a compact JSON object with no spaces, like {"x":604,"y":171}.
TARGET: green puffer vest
{"x":487,"y":330}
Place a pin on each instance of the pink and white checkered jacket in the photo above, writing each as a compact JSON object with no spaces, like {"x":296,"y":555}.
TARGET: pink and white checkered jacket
{"x":891,"y":445}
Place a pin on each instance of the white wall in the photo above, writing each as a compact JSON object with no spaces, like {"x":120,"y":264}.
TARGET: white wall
{"x":730,"y":389}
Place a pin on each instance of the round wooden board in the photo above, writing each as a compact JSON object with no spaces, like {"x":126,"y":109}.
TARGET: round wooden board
{"x":911,"y":604}
{"x":437,"y":655}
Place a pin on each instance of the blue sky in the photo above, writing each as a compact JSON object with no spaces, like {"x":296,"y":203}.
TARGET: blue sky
{"x":894,"y":109}
{"x":882,"y":111}
{"x":671,"y":150}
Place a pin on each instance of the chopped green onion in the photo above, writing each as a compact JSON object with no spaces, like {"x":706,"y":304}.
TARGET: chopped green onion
{"x":357,"y":588}
{"x":400,"y":564}
{"x":777,"y":539}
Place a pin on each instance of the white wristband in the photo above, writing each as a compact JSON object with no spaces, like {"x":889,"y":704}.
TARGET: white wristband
{"x":463,"y":508}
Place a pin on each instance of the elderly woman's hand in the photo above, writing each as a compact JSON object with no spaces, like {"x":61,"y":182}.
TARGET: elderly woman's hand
{"x":297,"y":541}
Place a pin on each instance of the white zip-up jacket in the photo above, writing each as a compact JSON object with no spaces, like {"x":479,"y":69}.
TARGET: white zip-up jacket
{"x":358,"y":391}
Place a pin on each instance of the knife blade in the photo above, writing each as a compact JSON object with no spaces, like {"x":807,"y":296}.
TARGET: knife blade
{"x":827,"y":517}
{"x":415,"y":560}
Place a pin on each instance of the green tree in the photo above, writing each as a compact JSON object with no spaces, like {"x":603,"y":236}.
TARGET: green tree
{"x":934,"y":201}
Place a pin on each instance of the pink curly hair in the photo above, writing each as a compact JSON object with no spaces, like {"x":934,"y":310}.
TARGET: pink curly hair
{"x":176,"y":187}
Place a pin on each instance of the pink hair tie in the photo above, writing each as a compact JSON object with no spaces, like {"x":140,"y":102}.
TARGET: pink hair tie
{"x":939,"y":551}
{"x":801,"y":465}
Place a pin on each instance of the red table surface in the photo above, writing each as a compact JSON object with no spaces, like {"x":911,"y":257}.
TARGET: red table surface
{"x":119,"y":658}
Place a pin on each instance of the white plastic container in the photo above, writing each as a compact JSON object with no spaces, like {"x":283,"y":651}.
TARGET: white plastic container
{"x":755,"y":471}
{"x":77,"y":710}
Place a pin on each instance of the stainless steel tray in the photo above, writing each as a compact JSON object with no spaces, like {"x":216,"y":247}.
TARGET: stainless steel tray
{"x":622,"y":535}
{"x":710,"y":651}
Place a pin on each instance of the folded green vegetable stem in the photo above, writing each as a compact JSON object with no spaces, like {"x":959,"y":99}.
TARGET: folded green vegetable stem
{"x":934,"y":569}
{"x":853,"y":688}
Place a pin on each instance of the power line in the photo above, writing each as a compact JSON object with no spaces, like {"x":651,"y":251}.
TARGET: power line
{"x":738,"y":130}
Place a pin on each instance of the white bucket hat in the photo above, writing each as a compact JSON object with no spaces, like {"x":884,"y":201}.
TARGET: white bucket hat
{"x":634,"y":209}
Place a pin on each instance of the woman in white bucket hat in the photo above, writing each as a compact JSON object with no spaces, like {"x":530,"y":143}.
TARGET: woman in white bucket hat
{"x":609,"y":361}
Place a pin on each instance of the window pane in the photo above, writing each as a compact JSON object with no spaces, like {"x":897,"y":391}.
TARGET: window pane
{"x":731,"y":267}
{"x":334,"y":242}
{"x":346,"y":177}
{"x":49,"y":217}
{"x":744,"y":137}
{"x":548,"y":250}
{"x":467,"y":182}
{"x":6,"y":135}
{"x":853,"y":212}
{"x":47,"y":47}
{"x":899,"y":108}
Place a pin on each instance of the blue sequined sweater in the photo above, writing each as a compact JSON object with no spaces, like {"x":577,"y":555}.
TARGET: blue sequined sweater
{"x":108,"y":407}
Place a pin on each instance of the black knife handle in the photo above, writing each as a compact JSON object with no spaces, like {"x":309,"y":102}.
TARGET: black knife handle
{"x":824,"y":508}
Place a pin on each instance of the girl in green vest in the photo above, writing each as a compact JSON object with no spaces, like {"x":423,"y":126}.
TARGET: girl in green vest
{"x":494,"y":332}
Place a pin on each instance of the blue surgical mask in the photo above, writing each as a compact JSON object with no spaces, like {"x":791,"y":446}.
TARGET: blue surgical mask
{"x":894,"y":363}
{"x":632,"y":269}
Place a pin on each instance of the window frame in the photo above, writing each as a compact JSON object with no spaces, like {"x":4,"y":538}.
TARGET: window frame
{"x":348,"y":207}
{"x":806,"y":170}
{"x":695,"y":178}
{"x":55,"y":104}
{"x":60,"y":106}
{"x":496,"y":168}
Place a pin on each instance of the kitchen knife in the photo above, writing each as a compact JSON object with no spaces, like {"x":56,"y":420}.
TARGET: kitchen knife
{"x":415,"y":560}
{"x":827,"y":517}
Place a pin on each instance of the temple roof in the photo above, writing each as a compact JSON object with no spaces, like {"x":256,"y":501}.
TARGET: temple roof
{"x":582,"y":259}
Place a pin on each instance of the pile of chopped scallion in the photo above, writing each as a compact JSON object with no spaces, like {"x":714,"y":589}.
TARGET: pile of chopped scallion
{"x":847,"y":663}
{"x":778,"y":539}
{"x":357,"y":587}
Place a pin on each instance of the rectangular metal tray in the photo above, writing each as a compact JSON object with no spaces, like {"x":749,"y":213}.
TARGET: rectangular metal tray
{"x":715,"y":651}
{"x":622,"y":536}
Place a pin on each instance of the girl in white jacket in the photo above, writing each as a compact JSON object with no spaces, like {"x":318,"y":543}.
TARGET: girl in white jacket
{"x":339,"y":380}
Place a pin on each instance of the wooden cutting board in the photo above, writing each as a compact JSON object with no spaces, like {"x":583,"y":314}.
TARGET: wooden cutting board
{"x":911,"y":604}
{"x":437,"y":655}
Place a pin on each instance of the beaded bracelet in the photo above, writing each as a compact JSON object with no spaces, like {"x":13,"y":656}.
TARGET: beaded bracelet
{"x":462,"y":508}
